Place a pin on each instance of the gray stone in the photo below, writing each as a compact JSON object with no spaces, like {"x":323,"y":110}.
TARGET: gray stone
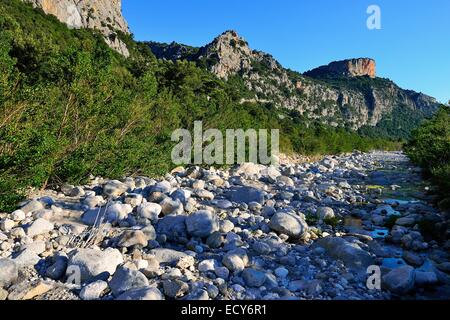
{"x":413,"y":259}
{"x":168,"y":256}
{"x":289,"y":224}
{"x":133,"y":199}
{"x":3,"y":294}
{"x":93,"y":216}
{"x":226,"y":226}
{"x":7,"y":224}
{"x":149,"y":211}
{"x":94,"y":263}
{"x":182,"y":195}
{"x":9,"y":272}
{"x":175,"y":288}
{"x":39,"y":226}
{"x":132,"y":238}
{"x":118,"y":212}
{"x":142,"y":294}
{"x":94,"y":290}
{"x":400,"y":280}
{"x":350,"y":253}
{"x":77,"y":192}
{"x":325,"y":213}
{"x":171,"y":207}
{"x":202,"y":224}
{"x":215,"y":240}
{"x":253,"y":277}
{"x":27,"y":258}
{"x":174,"y":227}
{"x":152,"y":268}
{"x":207,"y":265}
{"x":114,"y":188}
{"x":245,"y":195}
{"x":235,"y":260}
{"x":18,"y":215}
{"x":32,"y":206}
{"x":163,"y":186}
{"x":149,"y":232}
{"x":125,"y":279}
{"x":37,"y":247}
{"x":204,"y":194}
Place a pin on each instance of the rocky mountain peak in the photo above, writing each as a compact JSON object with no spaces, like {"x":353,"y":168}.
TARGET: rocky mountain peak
{"x":229,"y":54}
{"x":103,"y":15}
{"x":347,"y":68}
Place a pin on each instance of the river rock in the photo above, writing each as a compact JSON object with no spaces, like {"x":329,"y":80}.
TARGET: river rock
{"x":202,"y":224}
{"x":7,"y":224}
{"x":289,"y":224}
{"x":171,"y":207}
{"x":8,"y":272}
{"x":118,"y":212}
{"x":94,"y":263}
{"x":175,"y":288}
{"x":253,"y":277}
{"x":114,"y":188}
{"x":125,"y":279}
{"x":350,"y":253}
{"x":235,"y":260}
{"x":174,"y":227}
{"x":18,"y":215}
{"x":149,"y":211}
{"x":399,"y":281}
{"x":32,"y":206}
{"x":94,"y":290}
{"x":141,"y":294}
{"x":325,"y":213}
{"x":39,"y":226}
{"x":245,"y":195}
{"x":168,"y":256}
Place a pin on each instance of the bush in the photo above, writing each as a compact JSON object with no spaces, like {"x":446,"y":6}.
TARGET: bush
{"x":430,"y":149}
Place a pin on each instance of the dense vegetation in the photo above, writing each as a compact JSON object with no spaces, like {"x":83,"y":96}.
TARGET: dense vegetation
{"x":70,"y":107}
{"x":430,"y":148}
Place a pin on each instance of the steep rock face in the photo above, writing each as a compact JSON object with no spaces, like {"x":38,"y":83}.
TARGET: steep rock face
{"x":347,"y":68}
{"x":103,"y":15}
{"x":344,"y":93}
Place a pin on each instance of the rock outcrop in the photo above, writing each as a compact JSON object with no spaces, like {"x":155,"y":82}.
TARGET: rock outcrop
{"x":347,"y":68}
{"x":103,"y":15}
{"x":344,"y":93}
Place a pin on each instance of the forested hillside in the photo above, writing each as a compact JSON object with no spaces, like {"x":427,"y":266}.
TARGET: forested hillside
{"x":70,"y":106}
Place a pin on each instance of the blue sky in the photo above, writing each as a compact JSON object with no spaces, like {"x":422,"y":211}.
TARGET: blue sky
{"x":412,"y":48}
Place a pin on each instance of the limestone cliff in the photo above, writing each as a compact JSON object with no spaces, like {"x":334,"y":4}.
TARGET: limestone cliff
{"x":103,"y":15}
{"x":347,"y":68}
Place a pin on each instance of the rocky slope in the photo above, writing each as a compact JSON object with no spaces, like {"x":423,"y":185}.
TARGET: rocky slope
{"x":103,"y":15}
{"x":345,"y":93}
{"x":299,"y":231}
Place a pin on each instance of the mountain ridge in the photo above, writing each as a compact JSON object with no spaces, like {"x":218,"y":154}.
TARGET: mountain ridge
{"x":345,"y":93}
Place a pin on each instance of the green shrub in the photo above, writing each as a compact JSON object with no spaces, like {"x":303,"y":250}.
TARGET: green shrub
{"x":430,"y":149}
